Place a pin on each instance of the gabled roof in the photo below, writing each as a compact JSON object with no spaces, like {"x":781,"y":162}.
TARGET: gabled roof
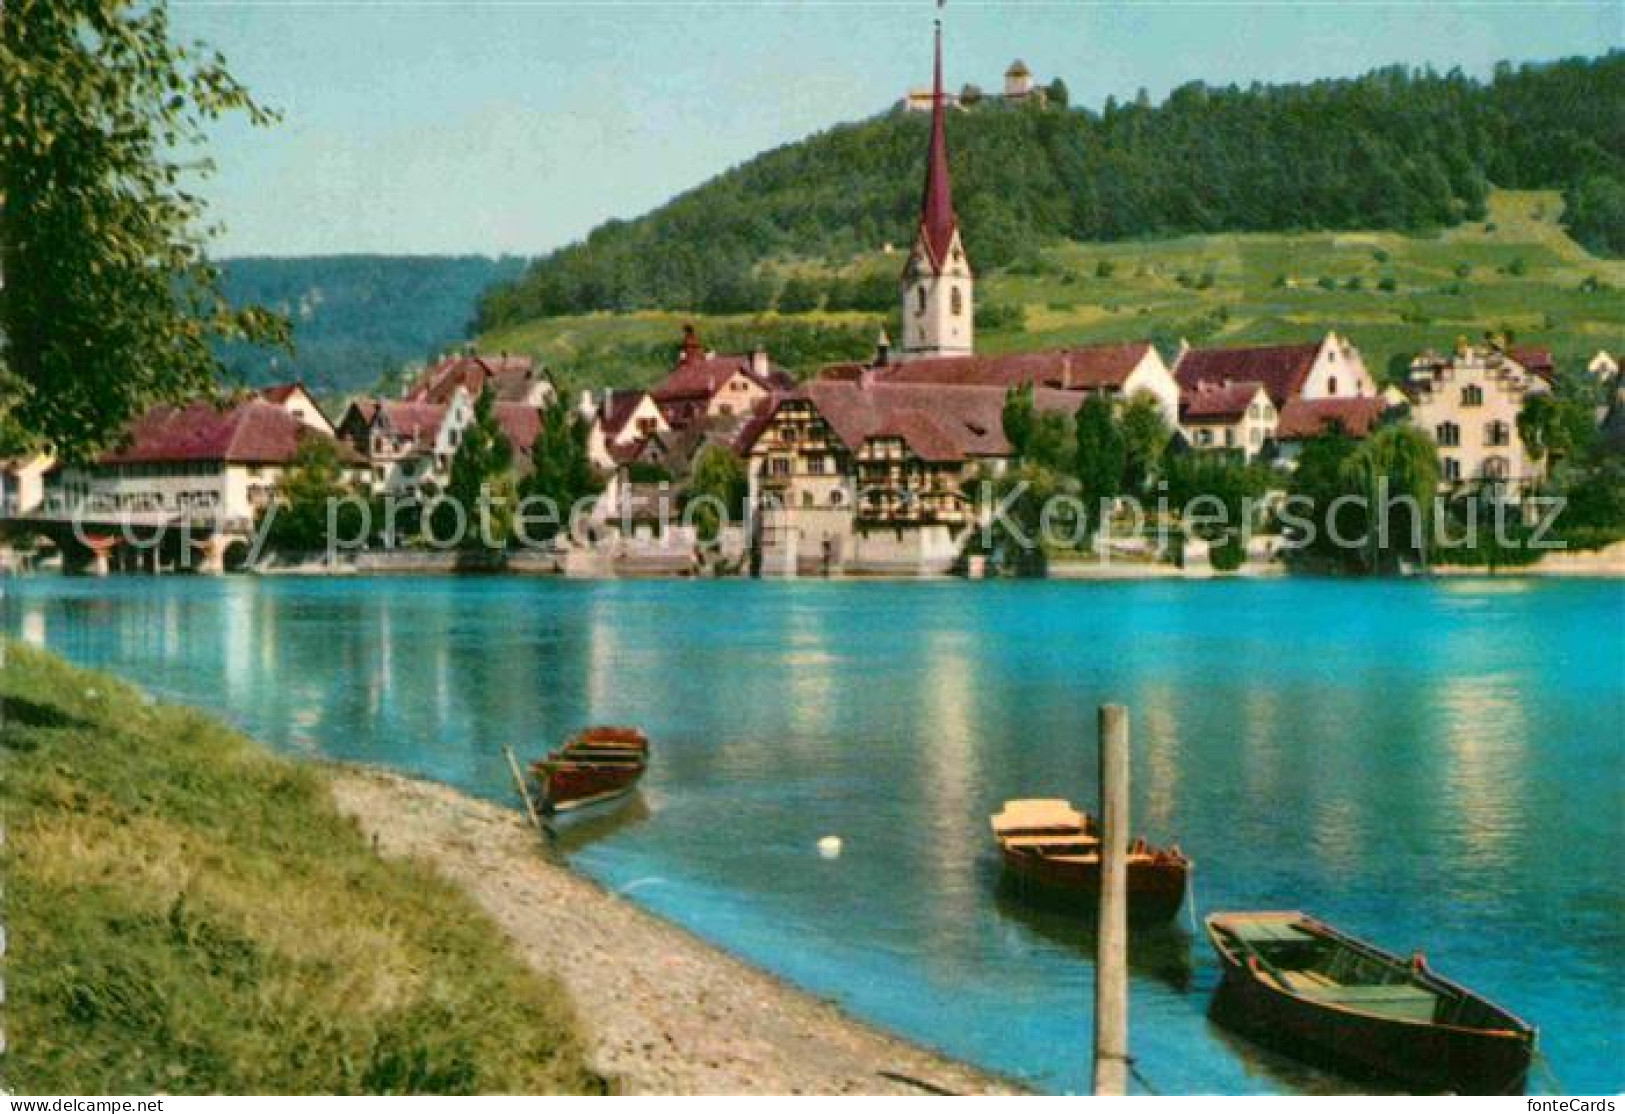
{"x":700,"y":374}
{"x":420,"y":421}
{"x":1535,"y":359}
{"x":249,"y":432}
{"x":937,"y":423}
{"x":281,"y":392}
{"x":1302,"y":419}
{"x":520,"y":424}
{"x":511,"y":377}
{"x":1218,"y":402}
{"x":1281,"y":368}
{"x":620,"y":407}
{"x":1092,"y":367}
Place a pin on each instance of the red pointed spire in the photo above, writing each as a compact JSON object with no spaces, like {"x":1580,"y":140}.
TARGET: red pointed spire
{"x":938,"y":220}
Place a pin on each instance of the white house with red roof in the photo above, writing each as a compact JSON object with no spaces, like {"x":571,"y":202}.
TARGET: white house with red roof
{"x":704,"y":386}
{"x":623,"y":423}
{"x":1238,"y":417}
{"x":511,"y":378}
{"x":198,"y":463}
{"x":296,"y":400}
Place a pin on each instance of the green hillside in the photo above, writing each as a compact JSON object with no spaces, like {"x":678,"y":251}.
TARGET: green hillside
{"x":1515,"y":270}
{"x":1394,"y":150}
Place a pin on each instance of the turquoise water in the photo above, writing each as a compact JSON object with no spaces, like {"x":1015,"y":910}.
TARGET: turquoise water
{"x":1430,"y":765}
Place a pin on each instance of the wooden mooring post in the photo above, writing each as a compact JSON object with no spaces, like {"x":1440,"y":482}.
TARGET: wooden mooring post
{"x":1111,"y":956}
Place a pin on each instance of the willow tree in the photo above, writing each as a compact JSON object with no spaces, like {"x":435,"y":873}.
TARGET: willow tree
{"x":1396,"y":472}
{"x":109,"y":302}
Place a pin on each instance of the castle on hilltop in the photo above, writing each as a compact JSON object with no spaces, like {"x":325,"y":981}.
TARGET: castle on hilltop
{"x":1020,"y":87}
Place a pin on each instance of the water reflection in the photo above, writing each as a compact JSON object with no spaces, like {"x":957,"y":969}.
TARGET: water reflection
{"x":1402,"y":759}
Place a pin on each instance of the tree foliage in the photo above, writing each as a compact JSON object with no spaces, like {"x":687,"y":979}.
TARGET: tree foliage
{"x":480,"y":477}
{"x":718,"y":478}
{"x":109,"y":303}
{"x":561,"y":471}
{"x":1396,"y":148}
{"x":1100,"y":455}
{"x":304,"y":495}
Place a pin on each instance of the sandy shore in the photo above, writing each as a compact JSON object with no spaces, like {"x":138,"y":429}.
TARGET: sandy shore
{"x":665,"y":1013}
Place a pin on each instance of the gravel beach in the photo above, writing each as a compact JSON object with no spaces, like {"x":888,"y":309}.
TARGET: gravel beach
{"x":664,"y":1012}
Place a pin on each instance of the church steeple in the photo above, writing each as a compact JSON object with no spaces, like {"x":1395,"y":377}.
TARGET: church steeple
{"x":937,"y":282}
{"x":938,"y":221}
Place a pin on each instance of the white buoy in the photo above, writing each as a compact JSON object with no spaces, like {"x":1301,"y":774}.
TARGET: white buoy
{"x":830,"y":847}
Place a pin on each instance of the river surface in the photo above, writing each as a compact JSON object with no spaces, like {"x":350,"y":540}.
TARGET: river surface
{"x":1435,"y":766}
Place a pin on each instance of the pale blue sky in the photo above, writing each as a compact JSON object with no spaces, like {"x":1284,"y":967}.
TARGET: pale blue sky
{"x":445,"y":126}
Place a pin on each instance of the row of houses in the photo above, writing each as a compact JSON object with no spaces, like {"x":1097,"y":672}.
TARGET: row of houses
{"x":864,"y":465}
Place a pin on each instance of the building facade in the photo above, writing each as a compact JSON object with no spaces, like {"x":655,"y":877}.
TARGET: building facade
{"x":1469,"y":404}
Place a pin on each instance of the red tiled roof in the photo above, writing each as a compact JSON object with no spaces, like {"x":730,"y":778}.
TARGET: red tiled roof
{"x":520,"y":424}
{"x":936,"y":422}
{"x":621,"y":406}
{"x":699,"y":375}
{"x":280,"y":392}
{"x":251,"y":432}
{"x":1088,"y":368}
{"x":1537,"y":360}
{"x":1282,"y":369}
{"x":511,"y":377}
{"x":1217,"y":402}
{"x":1302,"y":419}
{"x":420,"y":421}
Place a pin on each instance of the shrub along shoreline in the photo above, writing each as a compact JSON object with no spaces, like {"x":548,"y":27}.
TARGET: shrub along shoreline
{"x":187,"y":913}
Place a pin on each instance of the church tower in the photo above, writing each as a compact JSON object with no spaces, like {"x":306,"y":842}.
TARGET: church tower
{"x":937,"y":282}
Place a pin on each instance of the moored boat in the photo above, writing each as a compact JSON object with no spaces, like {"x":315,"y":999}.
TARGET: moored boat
{"x":1302,"y":986}
{"x":599,"y":764}
{"x":1051,"y":853}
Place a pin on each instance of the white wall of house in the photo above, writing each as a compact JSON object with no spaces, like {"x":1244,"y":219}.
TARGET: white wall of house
{"x":225,"y":494}
{"x":738,"y":396}
{"x":1152,"y":376}
{"x":1470,"y":407}
{"x":1339,"y":371}
{"x":22,"y":485}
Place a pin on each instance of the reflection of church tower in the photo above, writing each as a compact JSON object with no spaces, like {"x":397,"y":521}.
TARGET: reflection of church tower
{"x":937,"y":311}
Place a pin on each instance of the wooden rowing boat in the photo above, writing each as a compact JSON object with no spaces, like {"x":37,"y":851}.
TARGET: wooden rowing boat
{"x":1304,"y":987}
{"x":1051,"y":853}
{"x":599,"y":764}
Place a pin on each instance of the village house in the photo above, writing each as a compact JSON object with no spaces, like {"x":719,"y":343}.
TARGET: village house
{"x":1302,"y":420}
{"x":626,"y":424}
{"x":871,"y":477}
{"x":296,"y":400}
{"x":198,"y":463}
{"x":1118,"y":371}
{"x":408,"y":447}
{"x":1469,"y":404}
{"x":512,"y":379}
{"x":704,"y":386}
{"x":1603,"y":366}
{"x":1238,"y":417}
{"x":1331,"y":368}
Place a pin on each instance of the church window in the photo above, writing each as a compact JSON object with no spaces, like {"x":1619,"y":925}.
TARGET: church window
{"x":919,"y":299}
{"x":957,"y":301}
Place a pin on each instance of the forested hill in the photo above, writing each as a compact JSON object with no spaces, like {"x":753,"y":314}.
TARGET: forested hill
{"x":1395,"y":149}
{"x":358,"y":318}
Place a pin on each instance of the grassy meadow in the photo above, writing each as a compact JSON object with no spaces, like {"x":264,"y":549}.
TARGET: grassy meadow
{"x":1393,"y":293}
{"x":187,"y":913}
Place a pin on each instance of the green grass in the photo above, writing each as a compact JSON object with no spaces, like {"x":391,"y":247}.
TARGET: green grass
{"x":187,"y":913}
{"x":1523,"y":274}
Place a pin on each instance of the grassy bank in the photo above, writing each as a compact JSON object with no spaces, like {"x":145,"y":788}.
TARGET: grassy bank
{"x":188,"y":913}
